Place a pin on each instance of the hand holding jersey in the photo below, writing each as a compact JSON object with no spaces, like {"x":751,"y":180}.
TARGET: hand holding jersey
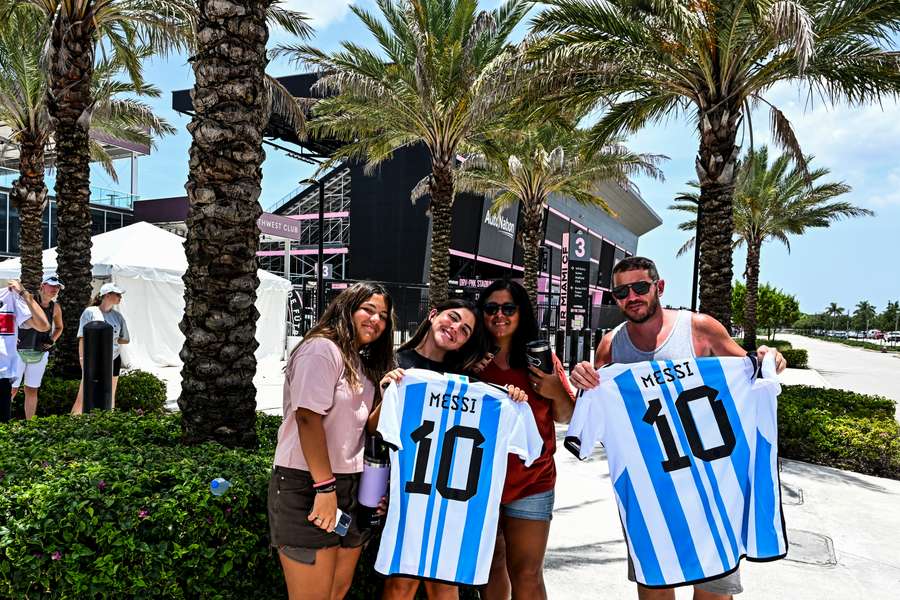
{"x":450,"y":443}
{"x":692,"y":451}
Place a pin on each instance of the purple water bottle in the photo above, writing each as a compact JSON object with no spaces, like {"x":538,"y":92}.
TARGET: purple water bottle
{"x":374,"y":482}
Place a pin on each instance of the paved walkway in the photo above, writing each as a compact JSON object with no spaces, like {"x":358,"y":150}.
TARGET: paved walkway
{"x":842,"y":530}
{"x":849,"y":368}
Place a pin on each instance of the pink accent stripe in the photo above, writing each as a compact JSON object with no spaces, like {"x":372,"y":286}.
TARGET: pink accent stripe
{"x":557,"y":213}
{"x":313,"y":216}
{"x":595,"y":234}
{"x":595,"y":261}
{"x":491,"y":261}
{"x":304,"y":252}
{"x":577,"y":224}
{"x":553,"y":244}
{"x":518,"y":268}
{"x":462,"y":254}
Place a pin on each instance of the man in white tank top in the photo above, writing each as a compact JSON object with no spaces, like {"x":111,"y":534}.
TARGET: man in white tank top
{"x":651,"y":332}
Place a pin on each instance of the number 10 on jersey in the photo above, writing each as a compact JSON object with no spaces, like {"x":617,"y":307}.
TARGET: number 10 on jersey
{"x":421,"y":436}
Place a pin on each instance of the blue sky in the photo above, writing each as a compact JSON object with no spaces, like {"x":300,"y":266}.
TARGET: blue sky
{"x":852,"y":261}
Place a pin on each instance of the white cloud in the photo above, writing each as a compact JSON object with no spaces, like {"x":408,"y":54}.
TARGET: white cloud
{"x":322,"y":13}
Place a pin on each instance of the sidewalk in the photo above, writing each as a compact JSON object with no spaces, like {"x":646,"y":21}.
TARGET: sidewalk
{"x":842,"y":530}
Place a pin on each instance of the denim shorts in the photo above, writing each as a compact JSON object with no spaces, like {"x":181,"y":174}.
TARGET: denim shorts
{"x":537,"y":507}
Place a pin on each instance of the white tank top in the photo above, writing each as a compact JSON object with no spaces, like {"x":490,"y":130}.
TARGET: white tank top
{"x":679,"y":344}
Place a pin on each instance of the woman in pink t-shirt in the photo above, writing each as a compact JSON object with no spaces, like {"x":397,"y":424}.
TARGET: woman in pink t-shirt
{"x":328,"y":394}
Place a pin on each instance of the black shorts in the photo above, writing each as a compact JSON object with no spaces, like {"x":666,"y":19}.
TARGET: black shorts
{"x":117,"y":366}
{"x":291,"y":498}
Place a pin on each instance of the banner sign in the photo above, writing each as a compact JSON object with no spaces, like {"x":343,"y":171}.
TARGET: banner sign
{"x":278,"y":226}
{"x":564,"y":284}
{"x":498,"y":232}
{"x":579,"y":301}
{"x":295,"y":311}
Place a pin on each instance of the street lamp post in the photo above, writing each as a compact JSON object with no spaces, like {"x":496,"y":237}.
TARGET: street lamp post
{"x":696,"y":282}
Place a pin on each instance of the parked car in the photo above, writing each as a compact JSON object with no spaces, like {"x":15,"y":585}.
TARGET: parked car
{"x":874,"y":334}
{"x":840,"y":334}
{"x":892,"y":336}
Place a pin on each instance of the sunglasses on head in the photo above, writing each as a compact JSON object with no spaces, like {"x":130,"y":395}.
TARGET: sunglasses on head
{"x":508,"y":308}
{"x":620,"y":292}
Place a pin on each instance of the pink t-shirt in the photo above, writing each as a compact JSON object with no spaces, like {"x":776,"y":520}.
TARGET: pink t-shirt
{"x":314,"y":380}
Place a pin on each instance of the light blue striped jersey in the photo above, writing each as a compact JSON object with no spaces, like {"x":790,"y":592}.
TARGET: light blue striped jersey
{"x":450,"y":442}
{"x":692,"y":447}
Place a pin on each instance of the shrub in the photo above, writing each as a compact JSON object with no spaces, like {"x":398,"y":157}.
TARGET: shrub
{"x":111,"y":505}
{"x":796,"y":358}
{"x":780,"y":345}
{"x":839,"y":429}
{"x":136,"y":390}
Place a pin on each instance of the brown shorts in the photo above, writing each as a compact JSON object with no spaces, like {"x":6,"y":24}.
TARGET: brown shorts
{"x":291,"y":498}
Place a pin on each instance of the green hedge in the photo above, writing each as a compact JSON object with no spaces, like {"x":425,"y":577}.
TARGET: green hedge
{"x":780,"y":345}
{"x":838,"y":428}
{"x":796,"y":358}
{"x":111,"y":505}
{"x":136,"y":390}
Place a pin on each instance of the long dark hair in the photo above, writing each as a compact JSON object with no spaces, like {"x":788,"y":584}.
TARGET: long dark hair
{"x":527,"y":330}
{"x":336,"y":325}
{"x":466,"y":355}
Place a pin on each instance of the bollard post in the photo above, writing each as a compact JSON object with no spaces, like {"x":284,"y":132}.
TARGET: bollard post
{"x":98,"y":365}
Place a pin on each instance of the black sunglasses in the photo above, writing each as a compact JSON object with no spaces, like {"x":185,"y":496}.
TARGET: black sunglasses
{"x":508,"y":308}
{"x":620,"y":292}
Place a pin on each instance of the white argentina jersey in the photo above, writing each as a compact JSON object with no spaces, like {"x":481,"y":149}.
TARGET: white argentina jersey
{"x":450,"y":443}
{"x":692,"y":448}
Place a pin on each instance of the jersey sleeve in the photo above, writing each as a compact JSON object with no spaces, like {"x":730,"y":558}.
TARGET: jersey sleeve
{"x":525,"y":439}
{"x":765,"y":390}
{"x":587,"y":425}
{"x":23,"y":312}
{"x":390,"y":417}
{"x":86,"y":317}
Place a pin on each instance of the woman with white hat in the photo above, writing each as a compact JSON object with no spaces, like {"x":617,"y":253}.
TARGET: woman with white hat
{"x":102,"y":308}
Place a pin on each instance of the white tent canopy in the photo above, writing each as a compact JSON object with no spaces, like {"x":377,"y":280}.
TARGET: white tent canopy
{"x":148,"y":263}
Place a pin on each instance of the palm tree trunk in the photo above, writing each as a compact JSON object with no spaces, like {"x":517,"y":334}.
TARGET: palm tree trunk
{"x":441,"y":224}
{"x":531,"y":238}
{"x":218,"y":398}
{"x":29,"y":196}
{"x":69,"y":105}
{"x":716,"y":166}
{"x":752,"y":296}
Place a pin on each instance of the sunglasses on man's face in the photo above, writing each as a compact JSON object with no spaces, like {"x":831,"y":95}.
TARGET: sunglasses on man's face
{"x":508,"y":308}
{"x":620,"y":292}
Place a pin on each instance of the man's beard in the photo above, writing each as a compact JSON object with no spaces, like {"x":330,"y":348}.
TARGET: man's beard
{"x":651,"y":310}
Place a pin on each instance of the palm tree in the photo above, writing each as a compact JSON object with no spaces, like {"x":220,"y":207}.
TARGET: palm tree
{"x":441,"y":80}
{"x":23,"y":85}
{"x":712,"y":61}
{"x":833,"y":311}
{"x":530,"y":165}
{"x":773,"y":202}
{"x":233,"y":103}
{"x":864,"y":313}
{"x":76,"y":29}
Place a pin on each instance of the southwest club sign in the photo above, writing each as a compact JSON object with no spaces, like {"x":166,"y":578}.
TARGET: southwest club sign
{"x":278,"y":226}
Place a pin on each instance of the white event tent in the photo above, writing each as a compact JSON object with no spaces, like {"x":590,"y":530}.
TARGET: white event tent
{"x":148,"y":263}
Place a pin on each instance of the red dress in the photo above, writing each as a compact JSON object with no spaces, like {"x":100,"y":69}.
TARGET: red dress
{"x":541,"y":475}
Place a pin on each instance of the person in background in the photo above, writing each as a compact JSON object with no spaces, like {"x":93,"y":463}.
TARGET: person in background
{"x":103,"y":308}
{"x":527,"y":502}
{"x":34,"y":346}
{"x":329,"y":390}
{"x":18,"y":308}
